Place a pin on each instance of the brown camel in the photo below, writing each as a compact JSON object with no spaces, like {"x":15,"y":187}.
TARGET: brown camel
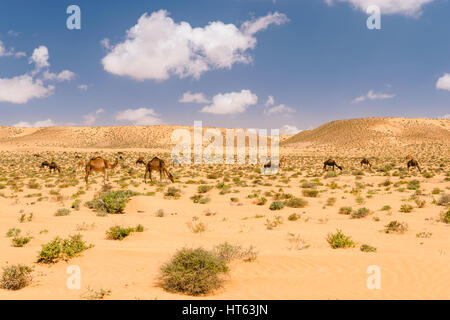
{"x":331,"y":163}
{"x":53,"y":166}
{"x":141,"y":160}
{"x":413,"y":163}
{"x":159,"y":165}
{"x":99,"y":164}
{"x":366,"y":162}
{"x":45,"y":164}
{"x":81,"y":164}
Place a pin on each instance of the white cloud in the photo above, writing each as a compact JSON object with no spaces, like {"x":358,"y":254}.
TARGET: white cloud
{"x":404,"y":7}
{"x":140,"y":117}
{"x":83,"y":87}
{"x":64,"y":75}
{"x":158,"y":47}
{"x":9,"y":52}
{"x":270,"y":101}
{"x":13,"y":33}
{"x":22,"y":88}
{"x":444,"y":82}
{"x":91,"y":118}
{"x":287,"y":129}
{"x":373,"y":96}
{"x":37,"y":124}
{"x":40,"y":57}
{"x":231,"y":103}
{"x":279,"y":109}
{"x":193,"y":97}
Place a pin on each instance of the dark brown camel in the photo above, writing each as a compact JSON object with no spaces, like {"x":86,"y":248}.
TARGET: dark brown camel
{"x":159,"y":165}
{"x":413,"y":163}
{"x":141,"y":160}
{"x":366,"y":162}
{"x":45,"y":164}
{"x":331,"y":163}
{"x":53,"y":166}
{"x":99,"y":164}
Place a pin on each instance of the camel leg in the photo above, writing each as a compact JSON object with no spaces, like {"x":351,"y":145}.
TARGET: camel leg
{"x":160,"y":174}
{"x":104,"y":175}
{"x":87,"y":174}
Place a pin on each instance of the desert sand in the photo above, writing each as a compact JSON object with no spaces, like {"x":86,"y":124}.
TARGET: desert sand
{"x":294,"y":260}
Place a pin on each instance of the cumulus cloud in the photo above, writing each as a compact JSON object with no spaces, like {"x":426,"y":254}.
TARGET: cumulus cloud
{"x":140,"y":117}
{"x":270,"y":101}
{"x":91,"y":118}
{"x":443,"y":82}
{"x":231,"y":103}
{"x":37,"y":124}
{"x":22,"y":88}
{"x":371,"y":95}
{"x":193,"y":97}
{"x":4,"y":52}
{"x":287,"y":129}
{"x":404,"y":7}
{"x":279,"y":109}
{"x":158,"y":47}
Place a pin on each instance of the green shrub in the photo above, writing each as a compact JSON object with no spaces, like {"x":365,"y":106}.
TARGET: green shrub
{"x":445,"y":216}
{"x":64,"y":249}
{"x":312,"y":193}
{"x":444,"y":200}
{"x":112,"y":201}
{"x":345,"y":210}
{"x":173,"y":192}
{"x":276,"y":205}
{"x":361,"y":213}
{"x":204,"y":188}
{"x":16,"y":277}
{"x":193,"y":272}
{"x":293,"y":217}
{"x":396,"y":227}
{"x":228,"y":252}
{"x":296,"y":203}
{"x":118,"y":233}
{"x":406,"y":208}
{"x":339,"y":240}
{"x":13,"y":232}
{"x":20,"y":241}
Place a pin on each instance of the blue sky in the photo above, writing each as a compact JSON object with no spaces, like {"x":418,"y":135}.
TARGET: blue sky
{"x":315,"y":58}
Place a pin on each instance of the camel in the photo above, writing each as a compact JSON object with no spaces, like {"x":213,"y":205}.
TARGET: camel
{"x":268,"y":164}
{"x":140,"y":160}
{"x":413,"y":163}
{"x":331,"y":163}
{"x":157,"y":164}
{"x":45,"y":164}
{"x":53,"y":166}
{"x":366,"y":162}
{"x":98,"y":164}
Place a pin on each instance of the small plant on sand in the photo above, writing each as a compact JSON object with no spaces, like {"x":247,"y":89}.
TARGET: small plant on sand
{"x":13,"y":232}
{"x":345,"y":210}
{"x":311,"y":193}
{"x":276,"y":205}
{"x":197,"y":227}
{"x":406,"y":208}
{"x":444,"y":200}
{"x":361,"y":213}
{"x":386,"y":208}
{"x":193,"y":272}
{"x":118,"y":233}
{"x":19,"y":241}
{"x":204,"y":188}
{"x":261,"y":201}
{"x":92,"y":294}
{"x":62,"y":212}
{"x":339,"y":240}
{"x":111,"y":201}
{"x":76,"y":204}
{"x":445,"y":216}
{"x":293,"y":217}
{"x":16,"y":277}
{"x":367,"y":248}
{"x":396,"y":227}
{"x":229,"y":252}
{"x":424,"y":234}
{"x":173,"y":192}
{"x":296,"y":203}
{"x":274,"y":223}
{"x":62,"y":249}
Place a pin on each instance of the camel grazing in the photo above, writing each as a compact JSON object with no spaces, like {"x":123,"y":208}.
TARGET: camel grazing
{"x":413,"y":163}
{"x":45,"y":164}
{"x":268,"y":164}
{"x":53,"y":166}
{"x":99,"y":164}
{"x":159,"y":165}
{"x":366,"y":162}
{"x":140,"y":160}
{"x":331,"y":163}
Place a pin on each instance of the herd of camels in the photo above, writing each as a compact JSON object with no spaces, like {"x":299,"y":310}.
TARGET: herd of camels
{"x":99,"y":164}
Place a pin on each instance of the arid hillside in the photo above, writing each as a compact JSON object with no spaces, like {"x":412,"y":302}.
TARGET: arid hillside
{"x":118,"y":137}
{"x":375,"y":131}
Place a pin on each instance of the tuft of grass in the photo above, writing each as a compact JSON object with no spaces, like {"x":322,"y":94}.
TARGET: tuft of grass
{"x":15,"y":277}
{"x":276,"y":205}
{"x":396,"y":227}
{"x":62,"y":249}
{"x":345,"y":210}
{"x":228,"y":252}
{"x":118,"y":233}
{"x":361,"y":213}
{"x":444,"y":200}
{"x":367,"y":248}
{"x":311,"y":193}
{"x":339,"y":240}
{"x":406,"y":208}
{"x":19,"y":241}
{"x":62,"y":212}
{"x":296,"y":203}
{"x":193,"y":272}
{"x":445,"y":216}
